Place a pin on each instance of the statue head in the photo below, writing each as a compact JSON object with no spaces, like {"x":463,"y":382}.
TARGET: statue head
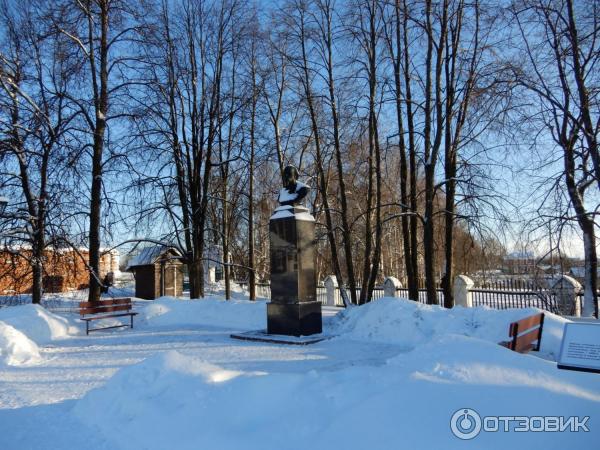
{"x":290,"y":177}
{"x":296,"y":191}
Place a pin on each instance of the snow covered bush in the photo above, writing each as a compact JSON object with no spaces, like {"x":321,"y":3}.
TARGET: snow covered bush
{"x":16,"y":348}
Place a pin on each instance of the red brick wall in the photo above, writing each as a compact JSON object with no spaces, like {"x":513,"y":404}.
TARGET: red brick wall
{"x":64,"y":271}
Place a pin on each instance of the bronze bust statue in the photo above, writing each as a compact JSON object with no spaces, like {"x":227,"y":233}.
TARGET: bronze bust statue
{"x":293,"y":191}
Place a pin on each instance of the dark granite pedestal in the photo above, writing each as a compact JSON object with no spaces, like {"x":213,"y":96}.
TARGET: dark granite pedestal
{"x":294,"y":309}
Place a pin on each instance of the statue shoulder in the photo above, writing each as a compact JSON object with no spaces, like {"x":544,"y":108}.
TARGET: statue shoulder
{"x":286,"y":196}
{"x":301,"y":185}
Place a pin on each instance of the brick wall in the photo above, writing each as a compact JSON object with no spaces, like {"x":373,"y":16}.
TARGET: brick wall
{"x":64,"y":270}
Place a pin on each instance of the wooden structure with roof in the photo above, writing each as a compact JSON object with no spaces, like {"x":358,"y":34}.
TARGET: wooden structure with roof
{"x":158,"y":271}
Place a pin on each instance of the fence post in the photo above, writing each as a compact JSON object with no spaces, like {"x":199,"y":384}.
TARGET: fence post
{"x":391,"y":285}
{"x":462,"y":291}
{"x":566,"y":290}
{"x":331,"y":286}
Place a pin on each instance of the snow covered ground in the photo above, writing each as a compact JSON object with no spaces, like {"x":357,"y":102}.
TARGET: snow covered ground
{"x":391,"y":377}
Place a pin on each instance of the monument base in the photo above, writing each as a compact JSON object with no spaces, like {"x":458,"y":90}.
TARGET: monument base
{"x":294,"y":319}
{"x":263,"y":336}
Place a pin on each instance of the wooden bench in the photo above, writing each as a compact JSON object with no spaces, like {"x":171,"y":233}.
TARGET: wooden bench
{"x":105,"y":309}
{"x":526,"y":334}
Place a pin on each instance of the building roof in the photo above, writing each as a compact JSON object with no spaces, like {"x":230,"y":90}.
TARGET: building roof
{"x":520,"y":255}
{"x":149,"y":255}
{"x":578,"y":272}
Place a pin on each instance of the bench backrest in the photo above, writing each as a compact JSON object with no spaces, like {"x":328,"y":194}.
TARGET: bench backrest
{"x":526,"y":334}
{"x":105,"y":306}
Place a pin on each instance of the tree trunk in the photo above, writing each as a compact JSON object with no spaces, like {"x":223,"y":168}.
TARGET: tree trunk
{"x":225,"y":232}
{"x":95,"y":212}
{"x":101,"y":107}
{"x":413,"y":284}
{"x":37,"y":274}
{"x":586,"y":224}
{"x":374,"y":149}
{"x":449,"y":241}
{"x":319,"y":157}
{"x":251,"y":269}
{"x":346,"y":231}
{"x":404,"y":207}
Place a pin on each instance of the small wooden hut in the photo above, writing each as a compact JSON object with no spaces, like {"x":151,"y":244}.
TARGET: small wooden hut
{"x":158,"y":271}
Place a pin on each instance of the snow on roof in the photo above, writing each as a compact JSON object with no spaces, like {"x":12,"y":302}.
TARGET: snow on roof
{"x":61,"y":250}
{"x":148,"y":255}
{"x":578,"y":272}
{"x":520,"y":255}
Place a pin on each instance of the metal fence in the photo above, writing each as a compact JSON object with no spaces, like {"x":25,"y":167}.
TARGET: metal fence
{"x":514,"y":293}
{"x":264,"y":290}
{"x":504,"y":299}
{"x":54,"y":304}
{"x":67,"y":302}
{"x":379,"y":292}
{"x":502,"y":294}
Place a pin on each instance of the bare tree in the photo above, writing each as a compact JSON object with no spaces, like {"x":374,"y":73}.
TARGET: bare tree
{"x":325,"y":23}
{"x":35,"y":78}
{"x":190,"y":124}
{"x":305,"y":78}
{"x":560,"y":40}
{"x":99,"y":31}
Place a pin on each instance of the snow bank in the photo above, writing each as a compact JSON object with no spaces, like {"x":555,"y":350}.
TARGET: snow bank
{"x":409,"y":324}
{"x":210,"y":312}
{"x":177,"y":401}
{"x":16,"y":348}
{"x":37,"y":323}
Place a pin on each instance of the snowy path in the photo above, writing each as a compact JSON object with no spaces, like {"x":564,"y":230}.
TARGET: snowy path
{"x":74,"y":366}
{"x":35,"y":401}
{"x":398,"y":370}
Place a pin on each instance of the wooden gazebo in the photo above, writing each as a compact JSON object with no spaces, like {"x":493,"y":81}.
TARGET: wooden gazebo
{"x":158,"y":272}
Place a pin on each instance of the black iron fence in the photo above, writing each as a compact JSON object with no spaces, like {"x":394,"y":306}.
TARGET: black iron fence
{"x":379,"y":292}
{"x":54,"y":303}
{"x":504,"y":299}
{"x":263,"y":290}
{"x":500,"y":294}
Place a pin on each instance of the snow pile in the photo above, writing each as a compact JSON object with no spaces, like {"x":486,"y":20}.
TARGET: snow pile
{"x":177,"y":401}
{"x":16,"y":348}
{"x":157,"y":404}
{"x":37,"y":323}
{"x":409,"y":324}
{"x":208,"y":312}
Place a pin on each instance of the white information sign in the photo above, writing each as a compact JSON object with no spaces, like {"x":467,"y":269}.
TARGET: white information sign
{"x":580,"y":348}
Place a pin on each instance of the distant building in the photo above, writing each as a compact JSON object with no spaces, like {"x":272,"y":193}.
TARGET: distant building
{"x":158,"y":271}
{"x":519,"y":263}
{"x":64,"y":269}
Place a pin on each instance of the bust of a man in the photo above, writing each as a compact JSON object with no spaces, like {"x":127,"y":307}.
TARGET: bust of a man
{"x":293,"y":191}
